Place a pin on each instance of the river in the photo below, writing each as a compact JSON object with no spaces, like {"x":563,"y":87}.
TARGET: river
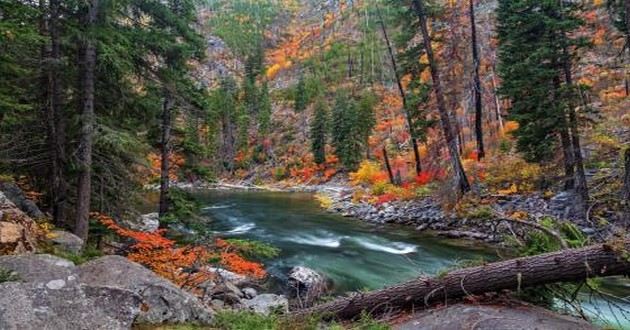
{"x":356,"y":255}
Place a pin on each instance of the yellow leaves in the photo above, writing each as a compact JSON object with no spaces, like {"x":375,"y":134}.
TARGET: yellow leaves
{"x":510,"y":126}
{"x":425,"y":76}
{"x":368,"y":173}
{"x":325,"y":201}
{"x":510,"y":191}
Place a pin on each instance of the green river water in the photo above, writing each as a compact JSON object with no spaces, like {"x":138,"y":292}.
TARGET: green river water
{"x":356,"y":255}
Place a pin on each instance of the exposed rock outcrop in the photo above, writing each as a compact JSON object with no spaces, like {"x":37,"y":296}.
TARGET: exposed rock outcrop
{"x":17,"y":197}
{"x":17,"y":230}
{"x":164,"y":302}
{"x":115,"y":286}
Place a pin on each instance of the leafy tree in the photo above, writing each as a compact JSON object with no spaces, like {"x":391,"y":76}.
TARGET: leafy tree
{"x":366,"y":119}
{"x":318,"y":133}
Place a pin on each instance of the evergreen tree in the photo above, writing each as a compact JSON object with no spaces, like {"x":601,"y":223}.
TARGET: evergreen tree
{"x":318,"y":132}
{"x":300,"y":97}
{"x":366,"y":119}
{"x":264,"y":115}
{"x":347,"y":135}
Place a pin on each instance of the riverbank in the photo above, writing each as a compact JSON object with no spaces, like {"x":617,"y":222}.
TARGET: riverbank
{"x":427,"y":214}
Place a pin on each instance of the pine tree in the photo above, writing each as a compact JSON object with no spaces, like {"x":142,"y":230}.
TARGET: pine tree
{"x":264,"y":114}
{"x":347,"y":135}
{"x":366,"y":119}
{"x":301,"y":99}
{"x":535,"y":64}
{"x":319,"y":132}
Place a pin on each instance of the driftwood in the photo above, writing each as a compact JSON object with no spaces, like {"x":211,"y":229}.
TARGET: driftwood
{"x":563,"y":266}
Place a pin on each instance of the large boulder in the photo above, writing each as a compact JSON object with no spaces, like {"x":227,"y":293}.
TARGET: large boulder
{"x":306,"y":285}
{"x":66,"y":241}
{"x":39,"y":268}
{"x":164,"y":302}
{"x":15,"y":195}
{"x":267,"y":303}
{"x":35,"y":306}
{"x":146,"y":222}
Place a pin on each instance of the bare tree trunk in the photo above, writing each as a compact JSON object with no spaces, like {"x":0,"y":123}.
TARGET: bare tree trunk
{"x":165,"y":153}
{"x":481,"y":153}
{"x":627,"y":14}
{"x":625,"y":193}
{"x":56,"y":120}
{"x":388,"y":166}
{"x":449,"y":135}
{"x":403,"y":96}
{"x":562,"y":266}
{"x":581,"y":186}
{"x":84,"y":154}
{"x":52,"y":109}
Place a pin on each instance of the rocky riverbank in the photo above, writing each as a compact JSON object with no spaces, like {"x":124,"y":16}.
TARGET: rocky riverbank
{"x":427,"y":214}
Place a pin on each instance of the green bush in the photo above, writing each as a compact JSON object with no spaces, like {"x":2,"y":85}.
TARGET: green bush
{"x":8,"y":276}
{"x":254,"y":249}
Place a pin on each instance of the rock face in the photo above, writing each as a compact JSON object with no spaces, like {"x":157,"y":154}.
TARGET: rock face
{"x":66,"y":241}
{"x":50,"y":296}
{"x":147,"y":222}
{"x":306,"y":285}
{"x":267,"y":303}
{"x":164,"y":302}
{"x":17,"y":230}
{"x":68,"y":306}
{"x":17,"y":197}
{"x":108,"y":293}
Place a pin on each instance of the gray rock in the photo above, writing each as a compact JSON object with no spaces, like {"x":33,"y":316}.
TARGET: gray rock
{"x":267,"y":303}
{"x":226,"y":275}
{"x":35,"y":306}
{"x":250,"y":292}
{"x":67,"y":241}
{"x":147,"y":222}
{"x":164,"y":301}
{"x":14,"y":194}
{"x":39,"y":268}
{"x":306,"y":285}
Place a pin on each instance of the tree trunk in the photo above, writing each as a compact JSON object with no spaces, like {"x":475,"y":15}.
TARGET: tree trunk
{"x":403,"y":96}
{"x":625,"y":194}
{"x":481,"y":153}
{"x":84,"y":153}
{"x":449,"y":135}
{"x":581,"y":186}
{"x":56,"y":120}
{"x":388,"y":166}
{"x":515,"y":274}
{"x":165,"y":152}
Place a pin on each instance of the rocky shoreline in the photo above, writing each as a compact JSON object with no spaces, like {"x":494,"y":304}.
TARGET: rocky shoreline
{"x":426,"y":214}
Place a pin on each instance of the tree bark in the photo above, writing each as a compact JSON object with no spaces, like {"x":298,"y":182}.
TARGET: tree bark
{"x":625,"y":194}
{"x":388,"y":166}
{"x":165,"y":152}
{"x":581,"y":186}
{"x":562,"y":266}
{"x":403,"y":96}
{"x":481,"y":153}
{"x":56,"y":120}
{"x":84,"y":153}
{"x":449,"y":135}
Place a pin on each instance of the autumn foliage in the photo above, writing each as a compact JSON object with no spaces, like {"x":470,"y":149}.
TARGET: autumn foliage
{"x":183,"y":265}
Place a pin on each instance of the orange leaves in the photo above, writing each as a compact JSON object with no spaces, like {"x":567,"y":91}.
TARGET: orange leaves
{"x":239,"y":265}
{"x":162,"y":256}
{"x":176,"y":161}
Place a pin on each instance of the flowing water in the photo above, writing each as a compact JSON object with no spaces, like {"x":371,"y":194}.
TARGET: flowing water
{"x":356,"y":255}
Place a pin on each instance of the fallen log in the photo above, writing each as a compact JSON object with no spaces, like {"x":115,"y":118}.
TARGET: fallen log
{"x":568,"y":265}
